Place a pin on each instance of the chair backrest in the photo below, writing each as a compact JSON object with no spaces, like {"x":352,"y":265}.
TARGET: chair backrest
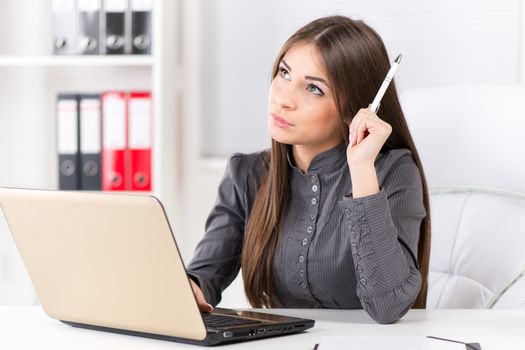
{"x":471,"y":140}
{"x":478,"y":249}
{"x":469,"y":135}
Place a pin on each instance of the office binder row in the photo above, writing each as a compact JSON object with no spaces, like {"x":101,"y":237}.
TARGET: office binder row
{"x":107,"y":27}
{"x":104,"y":141}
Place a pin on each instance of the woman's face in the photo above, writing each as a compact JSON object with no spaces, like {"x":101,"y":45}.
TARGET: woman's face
{"x":301,"y":104}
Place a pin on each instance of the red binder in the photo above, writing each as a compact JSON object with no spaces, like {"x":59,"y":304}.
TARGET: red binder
{"x":140,"y":140}
{"x":114,"y":142}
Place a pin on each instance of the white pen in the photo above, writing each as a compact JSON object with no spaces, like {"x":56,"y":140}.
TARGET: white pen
{"x":389,"y":76}
{"x":377,"y":100}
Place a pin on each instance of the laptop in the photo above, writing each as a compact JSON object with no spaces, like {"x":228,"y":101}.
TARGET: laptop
{"x":110,"y":262}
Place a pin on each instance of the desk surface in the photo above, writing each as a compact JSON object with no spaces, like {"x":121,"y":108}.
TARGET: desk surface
{"x":28,"y":327}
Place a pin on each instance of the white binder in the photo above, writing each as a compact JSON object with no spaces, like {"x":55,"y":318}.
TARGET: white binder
{"x":64,"y":16}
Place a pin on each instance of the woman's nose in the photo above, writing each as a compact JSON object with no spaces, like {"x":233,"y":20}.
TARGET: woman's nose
{"x":285,"y":98}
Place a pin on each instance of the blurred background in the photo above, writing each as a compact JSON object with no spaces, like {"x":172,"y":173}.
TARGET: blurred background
{"x":208,"y":71}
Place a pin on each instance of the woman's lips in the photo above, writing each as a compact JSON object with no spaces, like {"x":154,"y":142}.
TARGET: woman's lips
{"x":280,"y":121}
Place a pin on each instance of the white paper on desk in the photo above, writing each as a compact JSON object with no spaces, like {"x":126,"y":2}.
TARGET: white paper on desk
{"x":386,"y":343}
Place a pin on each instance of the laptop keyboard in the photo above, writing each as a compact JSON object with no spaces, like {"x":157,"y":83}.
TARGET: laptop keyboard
{"x":221,"y":321}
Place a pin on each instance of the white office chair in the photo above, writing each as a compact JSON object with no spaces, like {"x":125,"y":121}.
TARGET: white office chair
{"x":470,"y":139}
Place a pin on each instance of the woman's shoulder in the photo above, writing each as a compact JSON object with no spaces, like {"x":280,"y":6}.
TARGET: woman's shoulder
{"x":248,"y":167}
{"x":391,"y":156}
{"x":243,"y":163}
{"x":396,"y":162}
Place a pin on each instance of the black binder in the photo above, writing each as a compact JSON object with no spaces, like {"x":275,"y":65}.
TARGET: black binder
{"x":90,"y":142}
{"x":89,"y":26}
{"x":68,"y":145}
{"x":64,"y":15}
{"x":116,"y":38}
{"x":141,"y":26}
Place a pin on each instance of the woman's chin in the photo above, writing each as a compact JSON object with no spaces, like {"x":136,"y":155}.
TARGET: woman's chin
{"x":282,"y":139}
{"x":280,"y":136}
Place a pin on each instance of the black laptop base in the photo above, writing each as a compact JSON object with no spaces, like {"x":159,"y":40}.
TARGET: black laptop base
{"x":214,"y":337}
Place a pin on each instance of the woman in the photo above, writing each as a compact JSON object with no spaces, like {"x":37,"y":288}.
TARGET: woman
{"x":335,"y":215}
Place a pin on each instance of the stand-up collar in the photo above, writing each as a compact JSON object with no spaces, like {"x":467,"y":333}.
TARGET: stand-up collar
{"x":327,"y":161}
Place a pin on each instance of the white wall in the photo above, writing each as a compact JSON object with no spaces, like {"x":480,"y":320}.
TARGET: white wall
{"x":442,"y":42}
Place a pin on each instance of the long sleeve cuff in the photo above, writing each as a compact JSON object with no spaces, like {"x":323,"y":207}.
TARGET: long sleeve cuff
{"x":380,"y":264}
{"x":211,"y":296}
{"x":387,"y":277}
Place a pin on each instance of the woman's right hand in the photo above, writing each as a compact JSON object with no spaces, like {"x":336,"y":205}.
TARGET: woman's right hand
{"x":201,"y":301}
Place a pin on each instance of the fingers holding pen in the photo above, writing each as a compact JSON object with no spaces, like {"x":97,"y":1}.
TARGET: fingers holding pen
{"x":361,"y":125}
{"x":368,"y":134}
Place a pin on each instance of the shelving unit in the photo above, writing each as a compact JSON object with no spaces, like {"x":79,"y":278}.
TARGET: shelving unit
{"x":75,"y":61}
{"x":36,"y":76}
{"x":31,"y":77}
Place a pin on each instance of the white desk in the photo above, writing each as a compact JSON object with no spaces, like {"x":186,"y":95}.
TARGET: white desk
{"x":28,"y":327}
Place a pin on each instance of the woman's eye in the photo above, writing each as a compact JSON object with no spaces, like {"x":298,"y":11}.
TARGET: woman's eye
{"x":284,"y":74}
{"x":315,"y":90}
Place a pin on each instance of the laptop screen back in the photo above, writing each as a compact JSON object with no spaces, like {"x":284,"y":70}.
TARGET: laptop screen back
{"x":103,"y":259}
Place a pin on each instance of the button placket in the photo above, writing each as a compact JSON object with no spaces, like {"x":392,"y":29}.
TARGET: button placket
{"x":314,"y":201}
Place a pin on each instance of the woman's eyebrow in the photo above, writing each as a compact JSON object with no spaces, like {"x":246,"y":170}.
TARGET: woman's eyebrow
{"x":307,"y":77}
{"x":286,"y":65}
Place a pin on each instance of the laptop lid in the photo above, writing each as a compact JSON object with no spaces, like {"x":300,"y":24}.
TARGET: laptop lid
{"x":67,"y":240}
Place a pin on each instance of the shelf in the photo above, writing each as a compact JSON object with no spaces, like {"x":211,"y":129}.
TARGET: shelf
{"x":74,"y":61}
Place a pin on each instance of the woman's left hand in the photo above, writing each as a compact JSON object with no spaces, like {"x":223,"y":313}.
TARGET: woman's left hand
{"x":368,"y":133}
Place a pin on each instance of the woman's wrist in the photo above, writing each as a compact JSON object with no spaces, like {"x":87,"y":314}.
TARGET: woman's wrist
{"x":364,"y":180}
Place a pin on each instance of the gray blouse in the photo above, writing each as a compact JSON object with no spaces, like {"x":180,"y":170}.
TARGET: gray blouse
{"x":334,"y":251}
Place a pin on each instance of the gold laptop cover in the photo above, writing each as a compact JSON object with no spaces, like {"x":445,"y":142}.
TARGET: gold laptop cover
{"x":103,"y":259}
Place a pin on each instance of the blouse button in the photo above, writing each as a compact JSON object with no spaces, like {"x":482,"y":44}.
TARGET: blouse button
{"x":301,"y":258}
{"x":315,"y":188}
{"x":312,"y":217}
{"x":303,"y":285}
{"x":313,"y":179}
{"x":363,"y":281}
{"x":301,"y":272}
{"x":314,"y":201}
{"x":309,"y":229}
{"x":305,"y":241}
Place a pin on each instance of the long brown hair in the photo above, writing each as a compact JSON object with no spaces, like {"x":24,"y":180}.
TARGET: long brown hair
{"x":356,"y":62}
